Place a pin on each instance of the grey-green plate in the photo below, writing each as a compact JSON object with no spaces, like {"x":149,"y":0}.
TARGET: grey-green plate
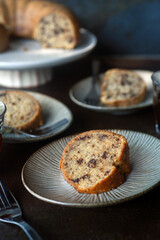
{"x":42,"y":177}
{"x":52,"y":112}
{"x":80,"y":90}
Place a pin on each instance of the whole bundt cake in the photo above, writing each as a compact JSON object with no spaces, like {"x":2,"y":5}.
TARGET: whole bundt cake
{"x":52,"y":24}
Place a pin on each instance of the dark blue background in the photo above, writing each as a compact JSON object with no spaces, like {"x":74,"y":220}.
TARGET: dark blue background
{"x":122,"y":27}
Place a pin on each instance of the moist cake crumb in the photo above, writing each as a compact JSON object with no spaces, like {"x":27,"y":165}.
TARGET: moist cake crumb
{"x":96,"y":169}
{"x":121,"y":87}
{"x":23,"y":110}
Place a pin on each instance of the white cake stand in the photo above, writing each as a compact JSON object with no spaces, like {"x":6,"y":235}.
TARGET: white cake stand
{"x":26,"y":64}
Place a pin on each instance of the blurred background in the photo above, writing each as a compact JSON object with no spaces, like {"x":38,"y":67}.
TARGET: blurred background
{"x":121,"y":26}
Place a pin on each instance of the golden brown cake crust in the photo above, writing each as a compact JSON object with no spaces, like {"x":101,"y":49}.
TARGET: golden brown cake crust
{"x":3,"y":14}
{"x":4,"y":41}
{"x":23,"y":110}
{"x":121,"y":87}
{"x":95,"y":161}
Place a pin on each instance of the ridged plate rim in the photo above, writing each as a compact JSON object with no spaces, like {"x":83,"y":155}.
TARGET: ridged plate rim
{"x":39,"y":179}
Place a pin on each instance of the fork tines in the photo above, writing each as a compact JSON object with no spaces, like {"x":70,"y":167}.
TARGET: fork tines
{"x":6,"y":198}
{"x":10,"y":212}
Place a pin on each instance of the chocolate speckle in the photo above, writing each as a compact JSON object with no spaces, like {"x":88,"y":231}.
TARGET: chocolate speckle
{"x":56,"y":32}
{"x":70,"y":40}
{"x":103,"y":136}
{"x":85,"y":176}
{"x":109,"y":96}
{"x":82,"y":138}
{"x":76,"y":180}
{"x":79,"y":161}
{"x":104,"y":155}
{"x":92,"y":163}
{"x":107,"y":172}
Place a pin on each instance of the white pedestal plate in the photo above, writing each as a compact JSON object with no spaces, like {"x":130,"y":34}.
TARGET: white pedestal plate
{"x":26,"y":64}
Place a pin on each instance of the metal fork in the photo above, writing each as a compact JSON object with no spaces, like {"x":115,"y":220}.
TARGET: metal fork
{"x":10,"y":212}
{"x":92,"y":97}
{"x":40,"y":132}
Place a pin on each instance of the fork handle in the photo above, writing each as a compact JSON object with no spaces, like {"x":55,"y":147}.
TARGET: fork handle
{"x":29,"y":231}
{"x":95,"y":70}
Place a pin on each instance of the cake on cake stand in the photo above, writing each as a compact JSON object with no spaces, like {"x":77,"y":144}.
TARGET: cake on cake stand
{"x":26,"y":64}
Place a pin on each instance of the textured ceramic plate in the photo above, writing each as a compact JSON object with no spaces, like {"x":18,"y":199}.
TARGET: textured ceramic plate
{"x":28,"y":54}
{"x":52,"y":112}
{"x":43,"y":179}
{"x":80,"y":90}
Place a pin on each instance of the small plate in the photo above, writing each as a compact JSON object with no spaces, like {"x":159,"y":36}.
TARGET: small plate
{"x":28,"y":54}
{"x":52,"y":112}
{"x":80,"y":90}
{"x":43,"y":179}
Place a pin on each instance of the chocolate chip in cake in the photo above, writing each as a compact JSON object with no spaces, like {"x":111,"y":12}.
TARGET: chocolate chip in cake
{"x":82,"y":138}
{"x":70,"y":40}
{"x":107,"y":172}
{"x":104,"y":154}
{"x":112,"y":156}
{"x":103,"y":136}
{"x":92,"y":163}
{"x":109,"y":96}
{"x":62,"y":30}
{"x":79,"y":161}
{"x":56,"y":32}
{"x":132,"y":94}
{"x":75,"y":180}
{"x":85,"y":176}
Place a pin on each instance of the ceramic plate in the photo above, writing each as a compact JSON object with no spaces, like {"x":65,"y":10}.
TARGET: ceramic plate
{"x":80,"y":90}
{"x":43,"y":179}
{"x":53,"y":111}
{"x":28,"y":54}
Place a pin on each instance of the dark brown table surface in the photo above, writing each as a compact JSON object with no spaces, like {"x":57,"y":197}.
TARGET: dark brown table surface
{"x":135,"y":219}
